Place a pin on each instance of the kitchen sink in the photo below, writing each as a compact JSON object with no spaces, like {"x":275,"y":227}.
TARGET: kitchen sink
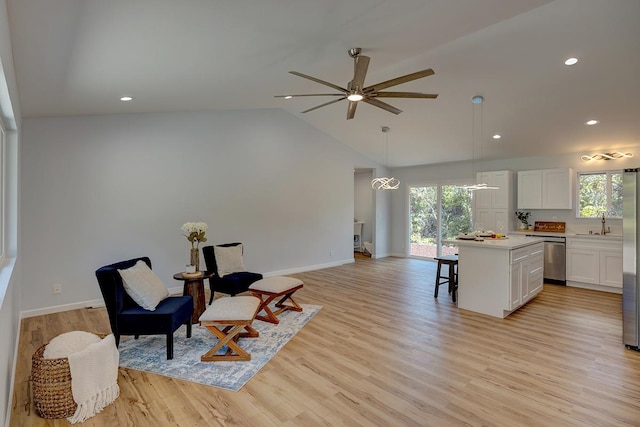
{"x":597,"y":235}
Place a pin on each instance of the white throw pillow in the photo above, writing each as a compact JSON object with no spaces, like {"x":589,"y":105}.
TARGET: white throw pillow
{"x":143,"y":286}
{"x":70,"y":342}
{"x":229,"y":259}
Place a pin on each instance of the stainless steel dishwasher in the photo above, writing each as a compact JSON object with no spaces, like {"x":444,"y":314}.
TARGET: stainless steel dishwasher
{"x":554,"y":259}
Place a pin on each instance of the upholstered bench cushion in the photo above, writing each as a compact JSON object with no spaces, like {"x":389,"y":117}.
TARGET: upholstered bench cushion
{"x":275,"y":284}
{"x":231,"y":308}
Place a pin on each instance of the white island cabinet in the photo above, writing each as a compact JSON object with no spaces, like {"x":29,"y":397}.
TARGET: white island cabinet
{"x":496,"y":277}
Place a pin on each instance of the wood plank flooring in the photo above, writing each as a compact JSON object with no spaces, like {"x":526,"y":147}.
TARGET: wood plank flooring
{"x":384,"y":352}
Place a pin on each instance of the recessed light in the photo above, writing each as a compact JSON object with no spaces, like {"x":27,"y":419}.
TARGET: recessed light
{"x":126,"y":98}
{"x":288,"y":97}
{"x":571,"y":61}
{"x":497,"y":136}
{"x":591,"y":122}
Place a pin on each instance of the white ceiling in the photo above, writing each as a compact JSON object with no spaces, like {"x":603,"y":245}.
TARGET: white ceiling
{"x":75,"y":57}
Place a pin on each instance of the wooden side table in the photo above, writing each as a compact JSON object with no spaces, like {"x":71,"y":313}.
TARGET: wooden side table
{"x":194,"y":286}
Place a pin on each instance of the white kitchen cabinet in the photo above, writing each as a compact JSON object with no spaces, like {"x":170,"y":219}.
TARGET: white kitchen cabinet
{"x":611,"y":268}
{"x":493,"y":207}
{"x":594,"y":261}
{"x":527,"y":266}
{"x":545,"y":189}
{"x":583,"y":265}
{"x":530,"y":189}
{"x":515,"y":290}
{"x":535,"y":280}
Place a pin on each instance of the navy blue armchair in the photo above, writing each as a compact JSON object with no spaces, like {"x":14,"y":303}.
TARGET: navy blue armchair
{"x":128,"y":318}
{"x":232,"y":284}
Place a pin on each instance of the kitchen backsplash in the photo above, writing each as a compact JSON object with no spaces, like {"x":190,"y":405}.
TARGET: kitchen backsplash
{"x":574,"y":225}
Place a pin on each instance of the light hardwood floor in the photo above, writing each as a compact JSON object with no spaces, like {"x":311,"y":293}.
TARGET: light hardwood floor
{"x":384,"y":352}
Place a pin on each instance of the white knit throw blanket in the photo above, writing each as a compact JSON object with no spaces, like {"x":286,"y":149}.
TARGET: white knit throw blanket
{"x":94,"y":378}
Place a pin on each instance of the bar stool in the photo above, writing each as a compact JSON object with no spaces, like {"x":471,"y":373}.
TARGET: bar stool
{"x":451,"y":261}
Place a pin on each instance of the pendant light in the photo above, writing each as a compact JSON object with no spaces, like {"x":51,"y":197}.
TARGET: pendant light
{"x":384,"y":183}
{"x":476,"y":127}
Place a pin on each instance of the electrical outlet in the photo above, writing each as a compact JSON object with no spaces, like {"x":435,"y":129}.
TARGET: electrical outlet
{"x":57,"y":289}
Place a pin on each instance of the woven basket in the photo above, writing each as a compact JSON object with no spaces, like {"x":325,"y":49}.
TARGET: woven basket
{"x":51,"y":385}
{"x":51,"y":382}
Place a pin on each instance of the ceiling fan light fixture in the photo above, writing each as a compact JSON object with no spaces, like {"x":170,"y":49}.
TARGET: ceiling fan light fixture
{"x":356,"y":90}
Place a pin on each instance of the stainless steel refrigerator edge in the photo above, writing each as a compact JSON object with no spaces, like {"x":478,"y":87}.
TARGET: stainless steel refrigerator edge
{"x":630,"y":284}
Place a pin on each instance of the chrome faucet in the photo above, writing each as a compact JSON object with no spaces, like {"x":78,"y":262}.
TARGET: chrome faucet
{"x":604,"y":230}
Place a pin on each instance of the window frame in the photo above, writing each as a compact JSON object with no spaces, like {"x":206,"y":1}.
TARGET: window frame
{"x":608,"y":192}
{"x":3,"y":183}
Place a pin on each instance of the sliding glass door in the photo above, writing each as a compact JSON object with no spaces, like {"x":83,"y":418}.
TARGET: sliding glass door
{"x":437,"y":213}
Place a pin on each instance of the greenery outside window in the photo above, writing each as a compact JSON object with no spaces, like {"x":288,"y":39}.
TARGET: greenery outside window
{"x":598,"y":193}
{"x":438,"y":212}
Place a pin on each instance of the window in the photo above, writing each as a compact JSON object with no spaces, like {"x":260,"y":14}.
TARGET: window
{"x":2,"y":192}
{"x":598,"y":193}
{"x":437,"y":213}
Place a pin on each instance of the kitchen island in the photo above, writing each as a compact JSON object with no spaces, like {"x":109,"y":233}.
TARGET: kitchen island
{"x":498,"y":276}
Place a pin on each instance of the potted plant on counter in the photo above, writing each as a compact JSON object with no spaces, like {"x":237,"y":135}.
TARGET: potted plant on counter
{"x":523,"y":217}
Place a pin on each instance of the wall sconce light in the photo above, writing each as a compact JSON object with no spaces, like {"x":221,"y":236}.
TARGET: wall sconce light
{"x":606,"y":156}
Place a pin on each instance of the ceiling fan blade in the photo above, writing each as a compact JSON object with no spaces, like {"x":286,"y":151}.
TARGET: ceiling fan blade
{"x":351,"y":110}
{"x":310,"y":94}
{"x":399,"y":80}
{"x":322,"y":82}
{"x":360,"y":67}
{"x":403,"y":95}
{"x":382,"y":105}
{"x":323,"y":105}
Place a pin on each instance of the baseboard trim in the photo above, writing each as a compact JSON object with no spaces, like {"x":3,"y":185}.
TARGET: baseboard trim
{"x":177,"y":290}
{"x":594,"y":287}
{"x":309,"y":268}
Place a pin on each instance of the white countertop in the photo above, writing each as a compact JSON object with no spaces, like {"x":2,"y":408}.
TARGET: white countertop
{"x":511,"y":242}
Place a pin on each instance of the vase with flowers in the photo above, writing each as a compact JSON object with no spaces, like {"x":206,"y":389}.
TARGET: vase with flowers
{"x":194,"y":232}
{"x":524,"y":219}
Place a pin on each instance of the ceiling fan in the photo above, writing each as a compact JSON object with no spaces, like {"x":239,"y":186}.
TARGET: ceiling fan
{"x":356,"y":91}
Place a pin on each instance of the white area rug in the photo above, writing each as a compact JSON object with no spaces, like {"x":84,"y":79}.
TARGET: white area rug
{"x":149,"y":353}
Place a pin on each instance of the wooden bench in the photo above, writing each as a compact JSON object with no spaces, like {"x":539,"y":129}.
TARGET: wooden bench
{"x":270,"y":288}
{"x":228,"y":319}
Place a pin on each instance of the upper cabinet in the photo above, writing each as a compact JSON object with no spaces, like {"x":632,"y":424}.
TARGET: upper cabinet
{"x":545,"y":189}
{"x":494,"y":207}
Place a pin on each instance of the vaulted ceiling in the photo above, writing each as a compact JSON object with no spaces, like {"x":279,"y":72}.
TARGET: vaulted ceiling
{"x":77,"y":57}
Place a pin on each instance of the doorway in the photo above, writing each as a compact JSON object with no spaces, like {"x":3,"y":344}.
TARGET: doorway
{"x":438,"y":212}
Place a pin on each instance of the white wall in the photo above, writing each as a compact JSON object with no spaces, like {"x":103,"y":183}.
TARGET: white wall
{"x":100,"y":189}
{"x":456,"y":172}
{"x":363,"y":203}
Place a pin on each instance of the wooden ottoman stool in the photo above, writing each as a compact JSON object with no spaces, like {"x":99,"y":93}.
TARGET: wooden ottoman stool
{"x":228,"y":319}
{"x":270,"y":288}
